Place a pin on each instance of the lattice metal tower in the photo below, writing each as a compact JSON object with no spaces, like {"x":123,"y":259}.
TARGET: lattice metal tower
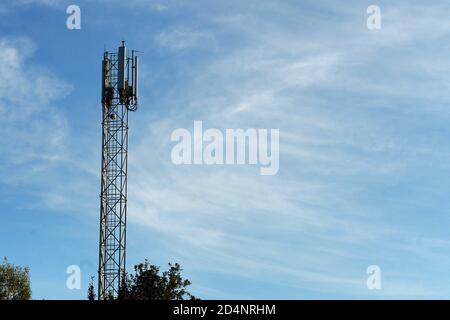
{"x":119,"y":95}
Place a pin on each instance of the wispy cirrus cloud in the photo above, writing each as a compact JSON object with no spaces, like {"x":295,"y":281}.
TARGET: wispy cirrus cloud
{"x":26,"y":97}
{"x":180,"y":39}
{"x":363,"y":145}
{"x":39,"y":150}
{"x":326,"y":91}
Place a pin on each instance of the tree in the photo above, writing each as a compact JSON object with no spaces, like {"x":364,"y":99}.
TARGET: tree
{"x":14,"y":282}
{"x":148,"y":284}
{"x":91,"y":292}
{"x":123,"y":289}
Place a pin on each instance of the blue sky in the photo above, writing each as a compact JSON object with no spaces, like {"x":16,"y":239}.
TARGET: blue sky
{"x":364,"y":144}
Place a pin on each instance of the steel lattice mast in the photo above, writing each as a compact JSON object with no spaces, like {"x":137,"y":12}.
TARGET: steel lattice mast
{"x":119,"y":95}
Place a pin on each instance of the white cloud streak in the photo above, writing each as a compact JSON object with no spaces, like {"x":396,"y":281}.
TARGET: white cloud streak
{"x":311,"y":223}
{"x":334,"y":92}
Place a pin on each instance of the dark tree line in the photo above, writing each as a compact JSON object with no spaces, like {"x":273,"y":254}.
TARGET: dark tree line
{"x":147,"y":283}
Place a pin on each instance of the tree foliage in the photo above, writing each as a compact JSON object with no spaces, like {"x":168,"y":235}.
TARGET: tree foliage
{"x":91,"y":291}
{"x":14,"y":282}
{"x":148,"y":284}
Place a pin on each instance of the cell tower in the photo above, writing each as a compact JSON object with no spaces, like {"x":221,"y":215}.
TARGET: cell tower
{"x":119,"y":95}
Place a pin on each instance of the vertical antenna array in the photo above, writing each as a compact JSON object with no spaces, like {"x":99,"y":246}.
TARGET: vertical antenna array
{"x":119,"y":95}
